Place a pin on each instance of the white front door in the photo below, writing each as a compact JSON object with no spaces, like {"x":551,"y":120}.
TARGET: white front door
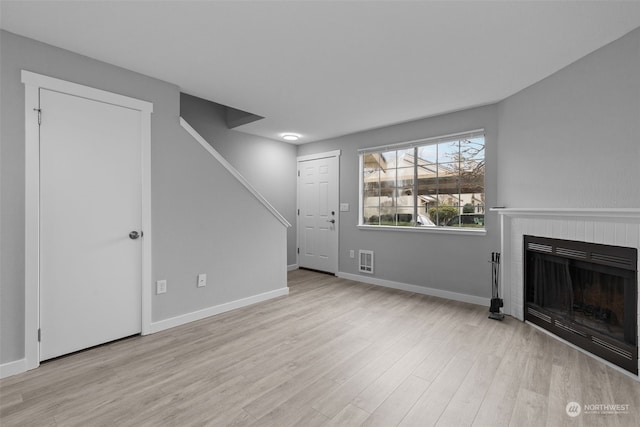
{"x":318,"y":214}
{"x":90,"y":201}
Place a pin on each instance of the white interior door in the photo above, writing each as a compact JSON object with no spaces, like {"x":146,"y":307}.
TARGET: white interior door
{"x":318,"y":214}
{"x":90,"y":200}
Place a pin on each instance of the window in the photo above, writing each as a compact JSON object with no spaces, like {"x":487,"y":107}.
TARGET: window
{"x":435,"y":182}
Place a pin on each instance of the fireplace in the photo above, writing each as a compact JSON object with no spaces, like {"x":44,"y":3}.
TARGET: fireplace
{"x":585,"y":293}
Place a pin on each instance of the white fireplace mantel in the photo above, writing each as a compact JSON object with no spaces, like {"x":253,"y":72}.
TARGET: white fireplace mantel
{"x":609,"y":226}
{"x":607,"y":213}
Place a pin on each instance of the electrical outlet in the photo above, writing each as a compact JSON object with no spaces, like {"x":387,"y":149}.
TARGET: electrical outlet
{"x":202,"y":280}
{"x":352,"y":253}
{"x":161,"y":287}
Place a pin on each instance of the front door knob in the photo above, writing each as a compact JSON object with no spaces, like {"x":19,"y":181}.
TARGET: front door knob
{"x":134,"y":235}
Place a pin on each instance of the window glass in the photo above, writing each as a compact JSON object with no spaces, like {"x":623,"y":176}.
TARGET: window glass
{"x":439,"y":184}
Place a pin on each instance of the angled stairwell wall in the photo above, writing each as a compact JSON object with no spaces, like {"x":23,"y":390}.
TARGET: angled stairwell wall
{"x":269,"y":165}
{"x":241,"y":239}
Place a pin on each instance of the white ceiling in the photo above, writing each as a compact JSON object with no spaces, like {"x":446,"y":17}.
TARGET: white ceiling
{"x":329,"y":68}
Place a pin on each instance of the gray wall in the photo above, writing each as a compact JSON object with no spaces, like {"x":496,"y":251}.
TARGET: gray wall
{"x":270,"y":166}
{"x":456,"y":263}
{"x":570,"y":140}
{"x":194,"y":229}
{"x":573,"y":139}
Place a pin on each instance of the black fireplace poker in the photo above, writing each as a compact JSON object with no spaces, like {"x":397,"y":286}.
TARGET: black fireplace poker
{"x":496,"y":301}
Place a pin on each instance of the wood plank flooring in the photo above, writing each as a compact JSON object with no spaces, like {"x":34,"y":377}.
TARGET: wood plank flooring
{"x":332,"y":353}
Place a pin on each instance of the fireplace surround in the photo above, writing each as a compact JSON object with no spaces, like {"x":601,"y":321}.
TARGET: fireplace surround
{"x":585,"y":293}
{"x":609,"y":226}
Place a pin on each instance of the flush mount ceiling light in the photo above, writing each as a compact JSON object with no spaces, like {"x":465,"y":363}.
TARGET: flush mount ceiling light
{"x":290,"y":136}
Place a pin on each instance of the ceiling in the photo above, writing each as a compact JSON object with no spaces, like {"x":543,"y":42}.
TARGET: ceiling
{"x":329,"y":68}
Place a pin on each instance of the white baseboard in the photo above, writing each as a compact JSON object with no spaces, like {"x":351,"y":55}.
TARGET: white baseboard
{"x":472,"y":299}
{"x":292,"y":267}
{"x":218,"y":309}
{"x":19,"y":366}
{"x":13,"y":368}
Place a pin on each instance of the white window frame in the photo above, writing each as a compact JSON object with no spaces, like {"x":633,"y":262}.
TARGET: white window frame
{"x":406,"y":145}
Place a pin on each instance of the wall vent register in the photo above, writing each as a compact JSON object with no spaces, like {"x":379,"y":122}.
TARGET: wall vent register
{"x":366,"y":261}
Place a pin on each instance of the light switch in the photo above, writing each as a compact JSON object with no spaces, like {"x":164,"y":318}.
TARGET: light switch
{"x":344,"y":207}
{"x":161,"y":287}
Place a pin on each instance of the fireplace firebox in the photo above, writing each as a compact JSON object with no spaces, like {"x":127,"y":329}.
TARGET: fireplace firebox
{"x":585,"y":293}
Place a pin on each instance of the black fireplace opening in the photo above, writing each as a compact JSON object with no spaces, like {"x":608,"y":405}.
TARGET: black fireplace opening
{"x":585,"y":293}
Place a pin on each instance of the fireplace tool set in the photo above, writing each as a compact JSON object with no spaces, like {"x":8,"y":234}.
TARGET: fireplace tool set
{"x":496,"y":301}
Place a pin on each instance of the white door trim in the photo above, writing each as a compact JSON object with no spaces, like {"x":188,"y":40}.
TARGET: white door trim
{"x":33,"y":83}
{"x":317,"y":156}
{"x":335,"y":153}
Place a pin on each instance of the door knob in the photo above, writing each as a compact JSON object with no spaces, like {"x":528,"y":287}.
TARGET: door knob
{"x":332,"y":221}
{"x":134,"y":235}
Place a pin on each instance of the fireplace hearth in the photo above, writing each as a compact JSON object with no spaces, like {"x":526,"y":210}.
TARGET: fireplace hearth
{"x":585,"y":293}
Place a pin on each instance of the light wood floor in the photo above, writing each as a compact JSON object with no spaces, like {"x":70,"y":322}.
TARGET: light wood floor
{"x":332,"y":353}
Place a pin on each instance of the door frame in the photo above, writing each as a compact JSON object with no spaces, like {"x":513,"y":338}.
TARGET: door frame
{"x":318,"y":156}
{"x":33,"y":83}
